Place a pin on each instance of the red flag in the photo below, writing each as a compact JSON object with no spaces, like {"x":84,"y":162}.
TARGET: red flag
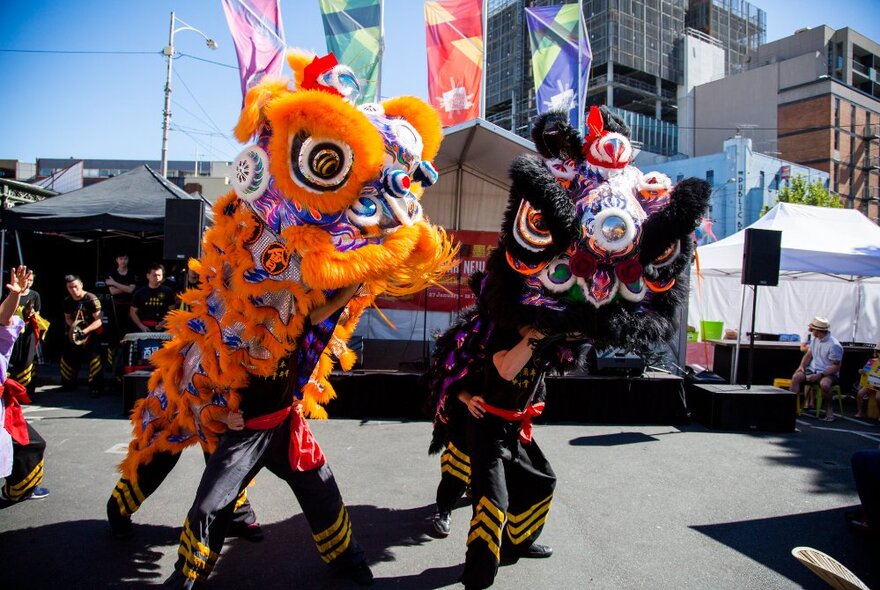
{"x":455,"y":58}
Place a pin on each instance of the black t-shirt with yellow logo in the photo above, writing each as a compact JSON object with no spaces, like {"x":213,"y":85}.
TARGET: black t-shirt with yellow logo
{"x":153,"y":304}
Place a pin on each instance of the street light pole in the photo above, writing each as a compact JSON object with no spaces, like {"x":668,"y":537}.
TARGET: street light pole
{"x":168,"y":52}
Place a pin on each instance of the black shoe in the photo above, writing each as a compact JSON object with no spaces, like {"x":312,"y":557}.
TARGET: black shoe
{"x":533,"y":551}
{"x":442,"y":523}
{"x":359,"y":573}
{"x":120,"y":525}
{"x":252,"y":532}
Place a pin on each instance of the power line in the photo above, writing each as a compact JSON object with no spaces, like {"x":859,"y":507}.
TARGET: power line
{"x":70,"y":52}
{"x":210,"y":120}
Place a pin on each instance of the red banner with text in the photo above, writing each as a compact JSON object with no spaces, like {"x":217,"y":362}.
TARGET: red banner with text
{"x":453,"y":293}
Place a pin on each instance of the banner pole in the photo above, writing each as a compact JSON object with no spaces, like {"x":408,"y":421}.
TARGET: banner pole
{"x":485,"y":60}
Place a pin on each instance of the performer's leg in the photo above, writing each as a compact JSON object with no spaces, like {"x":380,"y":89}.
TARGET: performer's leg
{"x":236,"y":460}
{"x":128,"y":496}
{"x":530,"y":481}
{"x":24,"y":359}
{"x":27,"y":469}
{"x":71,"y":358}
{"x":455,"y":476}
{"x":96,"y":368}
{"x":489,"y":494}
{"x":244,"y":521}
{"x":322,"y":505}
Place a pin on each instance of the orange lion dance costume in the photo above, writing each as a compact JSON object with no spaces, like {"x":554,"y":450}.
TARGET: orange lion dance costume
{"x":326,"y":197}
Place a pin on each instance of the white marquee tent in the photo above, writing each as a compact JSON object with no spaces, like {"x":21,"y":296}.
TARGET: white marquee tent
{"x":830,"y":266}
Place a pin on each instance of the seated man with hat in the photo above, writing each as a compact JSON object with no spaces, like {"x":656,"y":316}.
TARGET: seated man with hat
{"x":821,"y":364}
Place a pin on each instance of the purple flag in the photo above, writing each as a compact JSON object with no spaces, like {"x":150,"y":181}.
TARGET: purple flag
{"x":258,"y":36}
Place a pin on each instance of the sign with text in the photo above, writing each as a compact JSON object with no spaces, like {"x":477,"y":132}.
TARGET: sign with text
{"x":453,"y":292}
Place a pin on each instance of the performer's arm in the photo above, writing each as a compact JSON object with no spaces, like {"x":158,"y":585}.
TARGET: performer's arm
{"x":96,"y":321}
{"x":17,"y":278}
{"x":233,"y":420}
{"x":510,"y":362}
{"x":339,"y":299}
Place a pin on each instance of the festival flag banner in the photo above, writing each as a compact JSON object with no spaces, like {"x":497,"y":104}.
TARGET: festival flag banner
{"x":258,"y":37}
{"x":353,"y":29}
{"x":561,"y":59}
{"x":455,"y":58}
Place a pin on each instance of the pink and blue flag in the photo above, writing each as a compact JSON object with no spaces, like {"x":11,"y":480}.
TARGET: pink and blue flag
{"x":259,"y":38}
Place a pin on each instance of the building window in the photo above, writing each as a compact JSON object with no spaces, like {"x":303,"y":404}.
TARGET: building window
{"x":679,"y":178}
{"x":852,"y":120}
{"x":761,"y":180}
{"x":710,"y":177}
{"x":836,"y":177}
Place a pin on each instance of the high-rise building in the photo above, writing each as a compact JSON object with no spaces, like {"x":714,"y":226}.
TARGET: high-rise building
{"x":637,"y":60}
{"x":740,"y":27}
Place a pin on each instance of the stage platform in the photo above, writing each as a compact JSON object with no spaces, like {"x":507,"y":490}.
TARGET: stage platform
{"x":655,"y":398}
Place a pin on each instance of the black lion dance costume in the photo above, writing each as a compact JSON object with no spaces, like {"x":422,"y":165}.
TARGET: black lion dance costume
{"x":591,"y":251}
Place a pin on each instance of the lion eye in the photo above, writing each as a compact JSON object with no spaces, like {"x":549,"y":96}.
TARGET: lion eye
{"x":530,"y":229}
{"x":319,"y":164}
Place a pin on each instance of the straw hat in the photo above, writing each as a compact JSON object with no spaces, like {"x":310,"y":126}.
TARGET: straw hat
{"x":820,"y":323}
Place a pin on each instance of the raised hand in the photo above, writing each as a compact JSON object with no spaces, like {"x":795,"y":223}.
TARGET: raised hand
{"x":18,"y":278}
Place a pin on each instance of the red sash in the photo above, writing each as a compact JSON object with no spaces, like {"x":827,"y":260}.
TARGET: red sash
{"x":304,"y":454}
{"x":14,"y":394}
{"x":524,"y":416}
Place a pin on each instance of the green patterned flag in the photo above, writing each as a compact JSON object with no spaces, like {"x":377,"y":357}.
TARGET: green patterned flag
{"x":353,"y":29}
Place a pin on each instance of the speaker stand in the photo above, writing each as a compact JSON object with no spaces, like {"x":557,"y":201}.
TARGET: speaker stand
{"x":752,"y":338}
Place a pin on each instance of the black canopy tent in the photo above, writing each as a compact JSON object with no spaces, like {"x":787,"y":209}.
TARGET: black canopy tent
{"x":132,"y":203}
{"x":68,"y":233}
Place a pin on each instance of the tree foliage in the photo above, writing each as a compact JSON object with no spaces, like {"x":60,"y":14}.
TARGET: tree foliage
{"x":801,"y":193}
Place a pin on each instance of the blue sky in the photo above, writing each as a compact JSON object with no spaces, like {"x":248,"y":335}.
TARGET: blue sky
{"x":83,"y":104}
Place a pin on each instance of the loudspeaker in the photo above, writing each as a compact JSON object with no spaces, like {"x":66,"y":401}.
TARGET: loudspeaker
{"x":184,"y":223}
{"x":733,"y":407}
{"x":761,"y":252}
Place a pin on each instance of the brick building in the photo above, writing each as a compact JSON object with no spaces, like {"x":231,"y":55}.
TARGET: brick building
{"x":811,"y":98}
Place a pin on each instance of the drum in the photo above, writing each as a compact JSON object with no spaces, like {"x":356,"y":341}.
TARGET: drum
{"x":138,"y":347}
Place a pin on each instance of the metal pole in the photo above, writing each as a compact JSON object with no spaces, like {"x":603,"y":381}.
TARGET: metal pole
{"x":485,"y":60}
{"x":381,"y":50}
{"x":18,"y":245}
{"x":752,"y":338}
{"x":166,"y":113}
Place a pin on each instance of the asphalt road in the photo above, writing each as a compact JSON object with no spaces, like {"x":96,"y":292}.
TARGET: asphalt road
{"x":649,"y":506}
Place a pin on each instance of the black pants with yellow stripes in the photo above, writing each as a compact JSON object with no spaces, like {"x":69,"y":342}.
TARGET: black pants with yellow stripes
{"x":455,"y":473}
{"x":27,"y":467}
{"x":23,"y":360}
{"x":237,"y":460}
{"x":73,"y":356}
{"x":512,"y":486}
{"x":128,"y":496}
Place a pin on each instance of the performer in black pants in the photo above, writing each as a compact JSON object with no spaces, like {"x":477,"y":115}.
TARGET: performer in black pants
{"x":83,"y":316}
{"x":23,"y":362}
{"x":512,"y":482}
{"x":275,"y":436}
{"x":21,"y":447}
{"x":455,"y":463}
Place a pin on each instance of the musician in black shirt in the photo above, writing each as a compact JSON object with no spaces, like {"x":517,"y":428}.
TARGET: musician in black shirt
{"x":151,"y":303}
{"x":83,"y":316}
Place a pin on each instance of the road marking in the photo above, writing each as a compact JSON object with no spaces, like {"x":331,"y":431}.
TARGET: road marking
{"x":118,"y":449}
